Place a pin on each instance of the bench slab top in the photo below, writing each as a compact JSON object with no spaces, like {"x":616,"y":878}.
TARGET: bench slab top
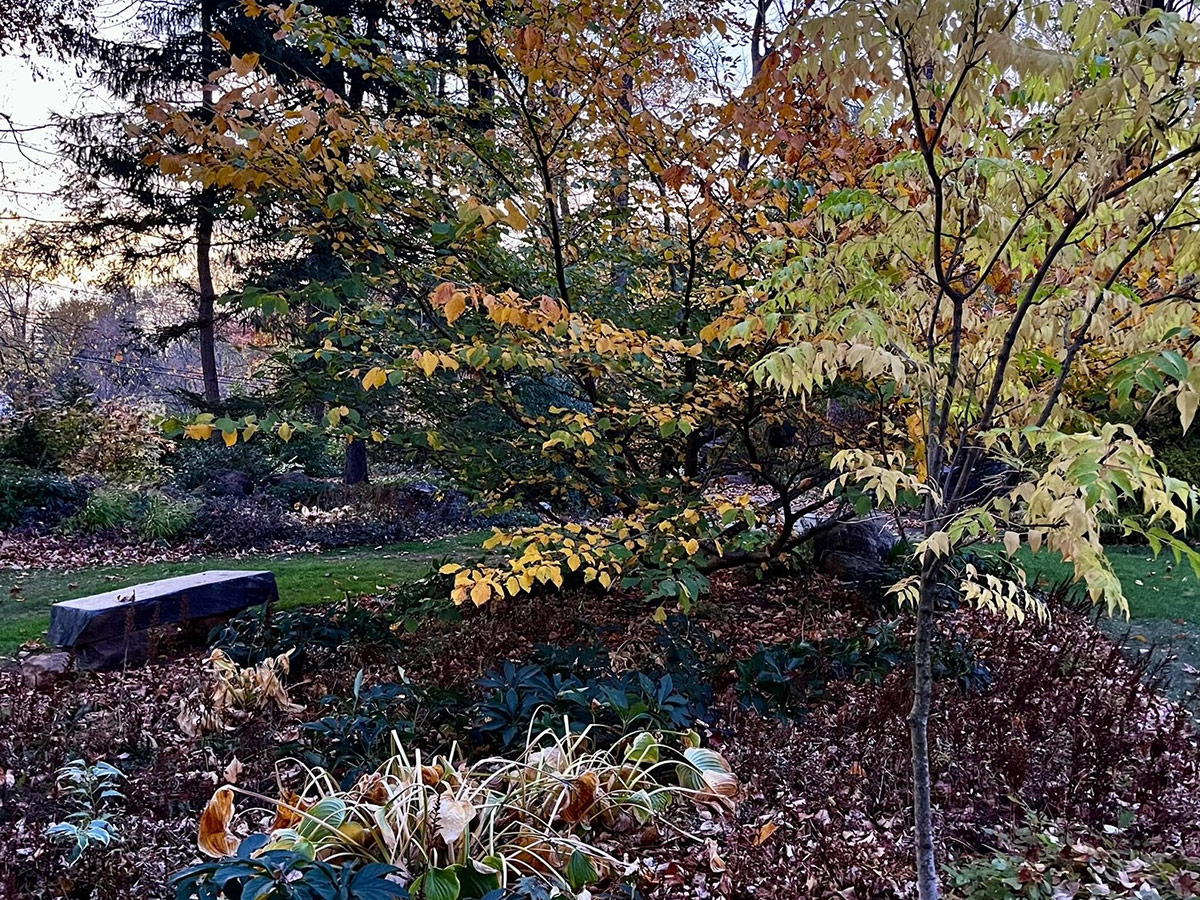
{"x":167,"y":600}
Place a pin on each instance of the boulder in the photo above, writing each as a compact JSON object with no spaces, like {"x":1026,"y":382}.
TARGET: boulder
{"x":122,"y":626}
{"x":40,"y":670}
{"x":855,"y":551}
{"x":294,"y":477}
{"x":232,"y":483}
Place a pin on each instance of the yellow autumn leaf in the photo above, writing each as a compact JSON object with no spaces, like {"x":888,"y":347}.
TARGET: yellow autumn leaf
{"x":244,"y":65}
{"x":428,"y":363}
{"x":376,"y":377}
{"x":198,"y":432}
{"x":455,"y":306}
{"x":286,"y":431}
{"x":230,"y":437}
{"x":481,"y":593}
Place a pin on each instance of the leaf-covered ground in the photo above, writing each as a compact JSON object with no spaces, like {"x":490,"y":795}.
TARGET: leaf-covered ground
{"x":1053,"y":721}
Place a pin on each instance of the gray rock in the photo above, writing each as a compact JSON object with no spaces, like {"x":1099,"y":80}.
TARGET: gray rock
{"x":855,"y":551}
{"x":296,"y":477}
{"x":40,"y":670}
{"x":233,"y":483}
{"x":120,"y":626}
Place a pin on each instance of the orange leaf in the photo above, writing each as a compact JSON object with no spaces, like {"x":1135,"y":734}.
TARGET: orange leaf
{"x":288,"y":809}
{"x":215,"y":838}
{"x":244,"y":65}
{"x":765,"y":833}
{"x":582,"y":797}
{"x":674,"y":176}
{"x":442,"y":293}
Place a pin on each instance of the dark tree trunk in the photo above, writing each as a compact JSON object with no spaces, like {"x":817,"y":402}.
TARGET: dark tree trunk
{"x":481,"y":92}
{"x":355,"y":470}
{"x":206,"y":306}
{"x":918,"y":727}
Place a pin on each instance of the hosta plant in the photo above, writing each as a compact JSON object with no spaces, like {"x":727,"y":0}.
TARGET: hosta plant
{"x":459,"y":831}
{"x":284,"y":875}
{"x":235,"y":693}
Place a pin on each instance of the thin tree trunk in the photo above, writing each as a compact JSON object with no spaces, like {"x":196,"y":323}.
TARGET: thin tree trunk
{"x":206,"y":307}
{"x":355,"y":470}
{"x":481,"y":91}
{"x":918,"y":728}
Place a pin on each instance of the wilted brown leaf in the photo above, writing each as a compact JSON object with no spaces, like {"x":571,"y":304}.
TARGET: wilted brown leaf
{"x":582,"y":796}
{"x":765,"y":833}
{"x":215,"y":838}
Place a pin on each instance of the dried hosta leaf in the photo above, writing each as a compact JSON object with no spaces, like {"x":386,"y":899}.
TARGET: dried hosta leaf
{"x":713,"y":856}
{"x":551,"y":759}
{"x":432,"y":775}
{"x":581,"y":798}
{"x":188,"y":721}
{"x":373,"y":789}
{"x":215,"y":837}
{"x":453,"y":817}
{"x":234,"y":770}
{"x":287,"y":811}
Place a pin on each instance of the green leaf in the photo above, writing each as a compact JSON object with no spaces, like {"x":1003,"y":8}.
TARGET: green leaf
{"x":438,"y":884}
{"x":580,"y":871}
{"x":477,"y":880}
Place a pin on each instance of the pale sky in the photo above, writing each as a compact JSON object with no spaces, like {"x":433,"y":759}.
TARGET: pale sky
{"x":30,"y":92}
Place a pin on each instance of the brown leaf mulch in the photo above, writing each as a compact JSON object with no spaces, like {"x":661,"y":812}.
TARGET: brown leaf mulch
{"x":1069,"y":728}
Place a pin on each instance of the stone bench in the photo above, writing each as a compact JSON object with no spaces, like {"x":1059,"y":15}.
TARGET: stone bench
{"x":110,"y":629}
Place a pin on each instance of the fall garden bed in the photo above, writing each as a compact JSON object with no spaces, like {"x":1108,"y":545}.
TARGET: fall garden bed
{"x":1048,"y":740}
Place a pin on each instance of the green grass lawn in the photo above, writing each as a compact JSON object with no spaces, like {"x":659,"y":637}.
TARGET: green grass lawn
{"x":1158,"y":589}
{"x":1164,"y":604}
{"x":303,"y":578}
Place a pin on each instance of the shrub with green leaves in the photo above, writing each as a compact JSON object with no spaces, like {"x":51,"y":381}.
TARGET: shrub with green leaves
{"x":360,"y":732}
{"x":107,"y":509}
{"x":26,"y":493}
{"x":285,"y":875}
{"x":784,"y":678}
{"x":314,"y":634}
{"x":93,"y":794}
